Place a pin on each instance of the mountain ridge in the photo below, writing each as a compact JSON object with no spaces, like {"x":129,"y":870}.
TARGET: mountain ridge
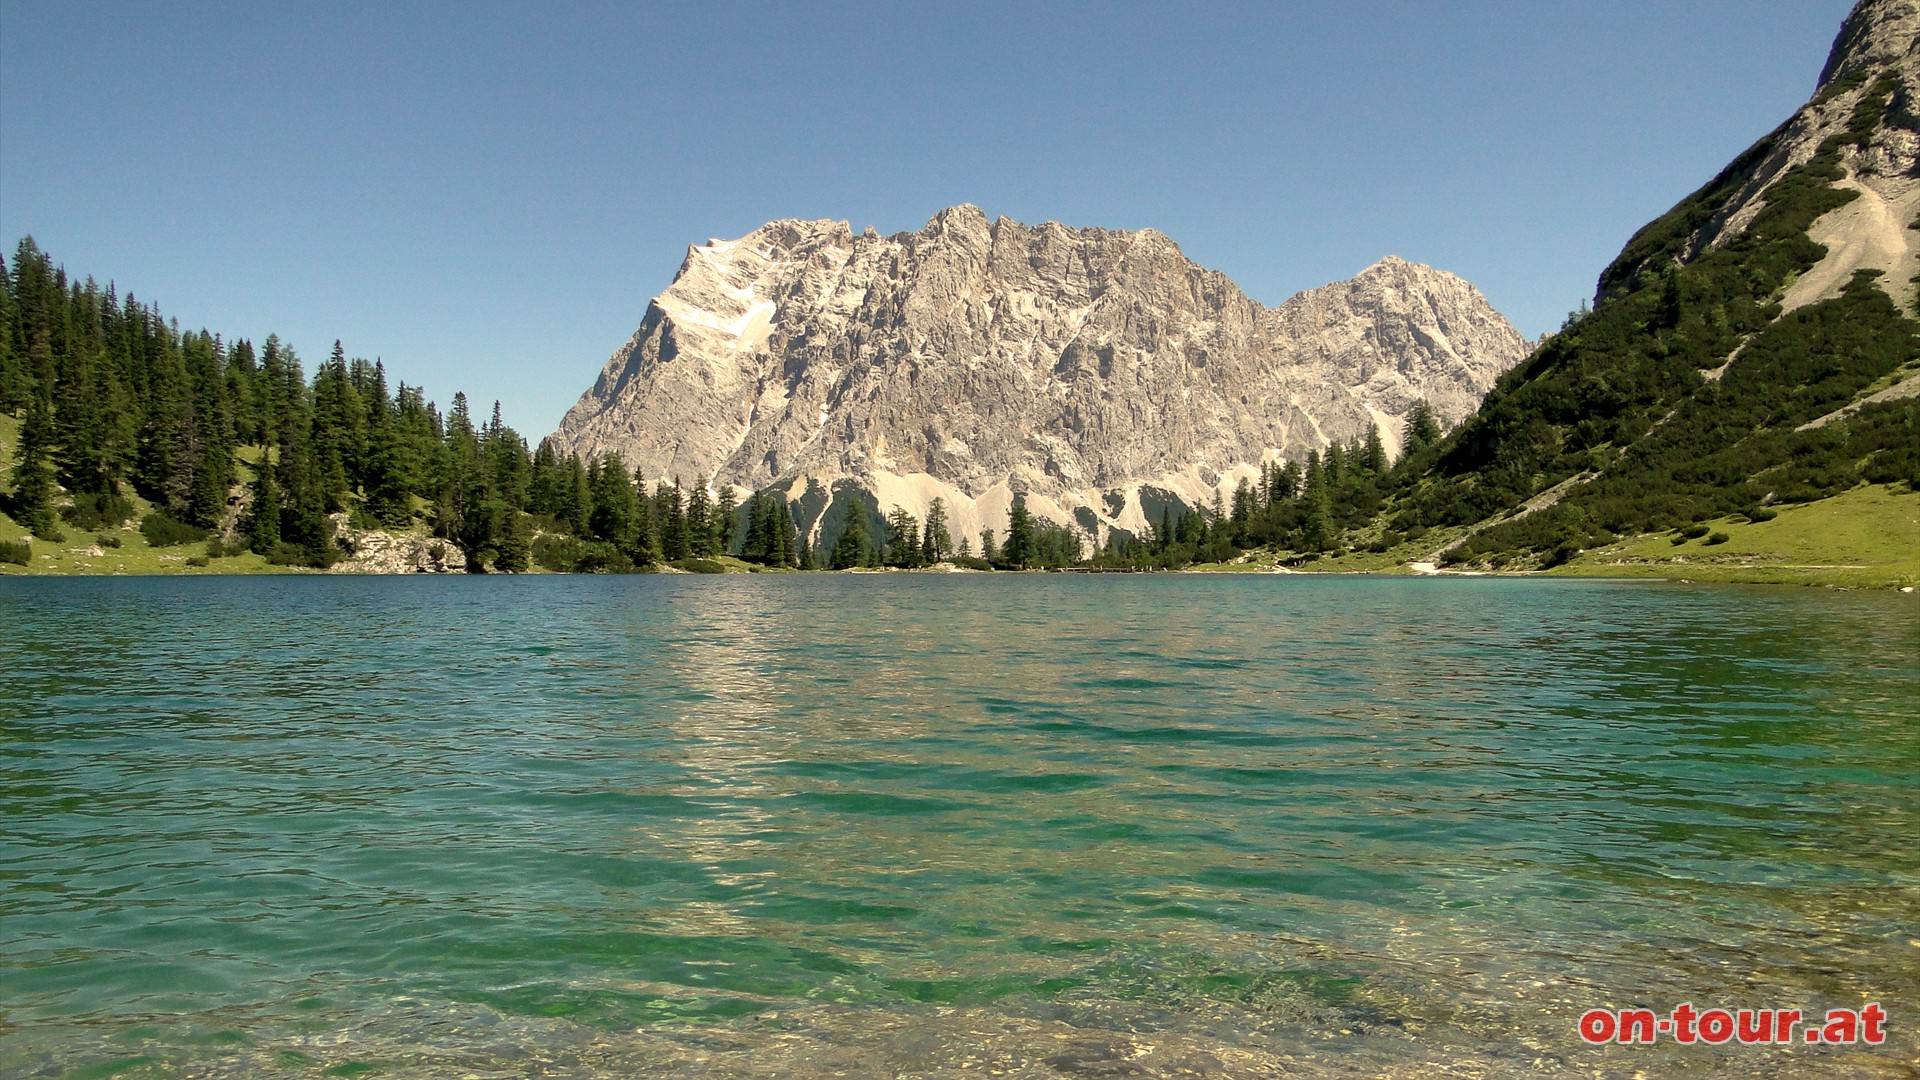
{"x":974,"y":358}
{"x":1753,"y":348}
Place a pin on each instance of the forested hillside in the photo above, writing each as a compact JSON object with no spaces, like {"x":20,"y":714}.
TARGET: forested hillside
{"x":1686,"y":394}
{"x":113,"y":404}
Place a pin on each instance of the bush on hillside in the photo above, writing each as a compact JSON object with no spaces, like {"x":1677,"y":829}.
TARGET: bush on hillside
{"x":162,"y":530}
{"x":18,"y":552}
{"x":97,"y":511}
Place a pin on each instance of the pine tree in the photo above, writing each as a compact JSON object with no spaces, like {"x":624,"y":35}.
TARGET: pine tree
{"x":700,"y":539}
{"x":32,"y":504}
{"x":1373,"y":456}
{"x":936,"y":543}
{"x":577,"y":504}
{"x":903,"y":539}
{"x":263,"y":514}
{"x":850,"y":550}
{"x":784,"y":540}
{"x":757,"y":547}
{"x":516,"y":545}
{"x":721,"y":520}
{"x":1317,"y":531}
{"x":303,"y":518}
{"x":13,"y":374}
{"x":612,"y":518}
{"x":645,"y":547}
{"x":1422,"y":428}
{"x":1243,"y":507}
{"x":1020,"y":549}
{"x":1287,"y":482}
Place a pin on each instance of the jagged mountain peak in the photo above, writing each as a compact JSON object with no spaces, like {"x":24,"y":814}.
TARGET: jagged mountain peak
{"x":1875,"y":34}
{"x":976,"y":357}
{"x":1872,"y":77}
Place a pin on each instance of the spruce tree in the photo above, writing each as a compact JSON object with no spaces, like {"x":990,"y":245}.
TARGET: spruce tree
{"x":700,"y":538}
{"x":1020,"y":549}
{"x":1422,"y":428}
{"x":903,"y":539}
{"x":850,"y":550}
{"x":263,"y":513}
{"x":1373,"y":456}
{"x":936,"y":543}
{"x":32,"y":503}
{"x":721,"y":520}
{"x":577,"y":504}
{"x":784,"y":540}
{"x":612,"y":517}
{"x":645,"y":547}
{"x":757,"y":547}
{"x":515,"y":544}
{"x":671,"y":513}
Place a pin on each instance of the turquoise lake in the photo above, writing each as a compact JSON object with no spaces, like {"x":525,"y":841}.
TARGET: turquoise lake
{"x":923,"y":825}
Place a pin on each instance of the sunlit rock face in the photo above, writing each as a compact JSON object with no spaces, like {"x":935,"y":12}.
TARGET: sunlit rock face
{"x":1878,"y":47}
{"x":976,"y":358}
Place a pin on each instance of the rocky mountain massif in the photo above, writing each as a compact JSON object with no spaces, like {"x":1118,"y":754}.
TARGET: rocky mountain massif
{"x":1098,"y":372}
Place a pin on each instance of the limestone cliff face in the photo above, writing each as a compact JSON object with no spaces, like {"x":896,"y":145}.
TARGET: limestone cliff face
{"x":975,"y":358}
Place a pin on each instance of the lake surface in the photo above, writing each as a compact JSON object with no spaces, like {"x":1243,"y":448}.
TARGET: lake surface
{"x":1091,"y":826}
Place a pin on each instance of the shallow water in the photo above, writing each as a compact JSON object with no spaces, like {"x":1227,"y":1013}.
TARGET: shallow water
{"x":883,"y":825}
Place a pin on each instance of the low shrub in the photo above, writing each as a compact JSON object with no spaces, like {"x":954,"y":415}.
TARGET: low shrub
{"x":97,"y":511}
{"x":970,"y":563}
{"x":571,"y":555}
{"x":18,"y":552}
{"x":199,"y":560}
{"x":216,"y":549}
{"x":107,"y":540}
{"x":293,"y":555}
{"x":162,"y":530}
{"x":699,"y":566}
{"x":1718,"y":538}
{"x":1694,"y":532}
{"x":1762,"y":513}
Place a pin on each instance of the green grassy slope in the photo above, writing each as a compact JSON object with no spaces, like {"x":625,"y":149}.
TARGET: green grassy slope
{"x":1865,"y":538}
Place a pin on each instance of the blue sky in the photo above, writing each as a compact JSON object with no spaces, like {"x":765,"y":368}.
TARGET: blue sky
{"x":485,"y":195}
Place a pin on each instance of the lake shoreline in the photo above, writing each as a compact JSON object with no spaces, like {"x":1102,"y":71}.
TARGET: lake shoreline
{"x":1682,"y":574}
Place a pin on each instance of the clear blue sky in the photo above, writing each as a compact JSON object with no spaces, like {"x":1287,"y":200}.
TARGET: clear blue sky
{"x":485,"y":195}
